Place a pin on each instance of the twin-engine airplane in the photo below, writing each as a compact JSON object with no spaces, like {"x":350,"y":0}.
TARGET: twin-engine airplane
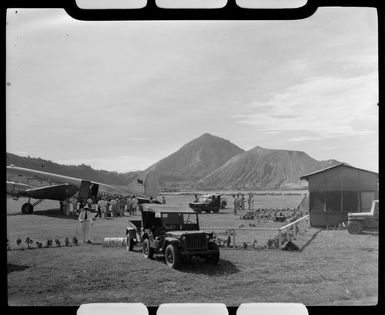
{"x":143,"y":187}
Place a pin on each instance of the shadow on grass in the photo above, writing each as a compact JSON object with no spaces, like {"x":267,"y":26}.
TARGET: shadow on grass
{"x":311,"y":239}
{"x":370,"y":232}
{"x":12,"y":268}
{"x":197,"y":265}
{"x":53,"y":213}
{"x":200,"y":266}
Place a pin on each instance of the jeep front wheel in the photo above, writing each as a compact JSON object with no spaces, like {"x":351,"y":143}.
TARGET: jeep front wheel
{"x":354,"y":227}
{"x":172,"y":256}
{"x":148,"y":252}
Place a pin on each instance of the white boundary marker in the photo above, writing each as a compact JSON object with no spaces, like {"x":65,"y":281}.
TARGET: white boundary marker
{"x":112,"y":309}
{"x":272,"y":309}
{"x":192,"y":309}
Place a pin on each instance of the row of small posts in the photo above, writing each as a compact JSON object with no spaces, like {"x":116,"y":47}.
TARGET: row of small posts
{"x":289,"y":231}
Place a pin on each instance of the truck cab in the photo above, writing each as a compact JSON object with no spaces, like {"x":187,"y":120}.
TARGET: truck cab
{"x":207,"y":203}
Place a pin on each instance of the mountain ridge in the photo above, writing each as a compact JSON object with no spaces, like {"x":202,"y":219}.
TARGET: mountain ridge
{"x":195,"y":159}
{"x":262,"y":168}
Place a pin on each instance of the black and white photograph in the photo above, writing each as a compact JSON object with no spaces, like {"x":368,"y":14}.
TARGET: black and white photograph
{"x":192,"y":161}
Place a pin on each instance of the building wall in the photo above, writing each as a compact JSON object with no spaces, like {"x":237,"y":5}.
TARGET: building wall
{"x":336,"y":192}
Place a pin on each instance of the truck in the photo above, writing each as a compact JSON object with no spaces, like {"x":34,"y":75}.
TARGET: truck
{"x":360,"y":221}
{"x":172,"y":232}
{"x":208,"y":203}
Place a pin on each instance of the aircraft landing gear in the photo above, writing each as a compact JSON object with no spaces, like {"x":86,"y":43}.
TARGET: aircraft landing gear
{"x":27,"y":208}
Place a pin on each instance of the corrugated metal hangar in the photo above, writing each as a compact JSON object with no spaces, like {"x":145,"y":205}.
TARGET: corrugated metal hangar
{"x":338,"y":190}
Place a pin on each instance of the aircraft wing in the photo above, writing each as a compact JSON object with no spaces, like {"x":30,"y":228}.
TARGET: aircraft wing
{"x":54,"y":192}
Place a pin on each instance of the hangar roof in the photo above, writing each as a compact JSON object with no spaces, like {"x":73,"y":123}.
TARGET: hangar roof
{"x":306,"y":176}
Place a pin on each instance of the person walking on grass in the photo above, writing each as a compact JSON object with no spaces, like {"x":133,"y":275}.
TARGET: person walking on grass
{"x":85,"y":220}
{"x":135,"y":203}
{"x":129,"y":206}
{"x":235,"y":203}
{"x":102,"y":205}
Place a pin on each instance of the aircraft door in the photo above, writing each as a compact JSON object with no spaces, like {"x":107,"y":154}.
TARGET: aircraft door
{"x":84,"y":190}
{"x":88,"y":190}
{"x":93,"y":193}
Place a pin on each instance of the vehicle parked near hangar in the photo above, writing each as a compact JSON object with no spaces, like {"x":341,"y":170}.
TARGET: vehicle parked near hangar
{"x":172,"y":232}
{"x":208,"y":203}
{"x":359,"y":221}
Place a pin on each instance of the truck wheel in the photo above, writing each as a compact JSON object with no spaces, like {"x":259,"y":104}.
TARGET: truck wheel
{"x":198,"y":210}
{"x":216,"y":210}
{"x":27,"y":208}
{"x":354,"y":227}
{"x":148,"y":252}
{"x":172,"y":256}
{"x":130,"y":244}
{"x":213,"y":258}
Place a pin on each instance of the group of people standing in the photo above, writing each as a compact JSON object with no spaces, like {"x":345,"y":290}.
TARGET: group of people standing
{"x":114,"y":206}
{"x":239,"y":202}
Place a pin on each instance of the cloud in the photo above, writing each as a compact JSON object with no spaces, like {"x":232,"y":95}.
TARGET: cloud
{"x":320,"y":107}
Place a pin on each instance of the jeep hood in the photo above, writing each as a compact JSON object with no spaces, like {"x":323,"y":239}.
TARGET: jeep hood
{"x":180,"y":233}
{"x":360,"y":214}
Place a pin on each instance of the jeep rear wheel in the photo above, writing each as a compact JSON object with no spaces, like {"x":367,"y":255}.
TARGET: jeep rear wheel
{"x":354,"y":227}
{"x":172,"y":256}
{"x":213,"y":258}
{"x":130,"y":244}
{"x":148,"y":252}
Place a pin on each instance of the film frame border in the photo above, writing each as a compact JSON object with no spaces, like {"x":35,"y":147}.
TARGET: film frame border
{"x":230,"y":11}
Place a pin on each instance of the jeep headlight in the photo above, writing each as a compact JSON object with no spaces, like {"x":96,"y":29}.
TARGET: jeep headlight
{"x":183,"y":238}
{"x":207,"y":236}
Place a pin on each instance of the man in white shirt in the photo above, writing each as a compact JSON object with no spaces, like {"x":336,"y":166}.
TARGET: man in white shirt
{"x":85,"y":219}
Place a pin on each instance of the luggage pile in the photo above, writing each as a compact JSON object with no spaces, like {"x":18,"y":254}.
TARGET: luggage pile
{"x":273,"y":214}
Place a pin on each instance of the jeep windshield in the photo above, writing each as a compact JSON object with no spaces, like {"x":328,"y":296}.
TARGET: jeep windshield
{"x":172,"y":221}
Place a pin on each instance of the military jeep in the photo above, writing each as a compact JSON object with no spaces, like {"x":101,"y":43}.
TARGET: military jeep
{"x":172,"y":232}
{"x":359,"y":221}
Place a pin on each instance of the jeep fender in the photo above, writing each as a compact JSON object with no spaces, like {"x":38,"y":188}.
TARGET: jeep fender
{"x":143,"y":237}
{"x":170,"y":240}
{"x":131,"y":232}
{"x":361,"y":220}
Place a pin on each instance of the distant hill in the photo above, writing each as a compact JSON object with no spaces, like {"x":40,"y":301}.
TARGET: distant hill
{"x":206,"y":163}
{"x":261,"y":168}
{"x":195,"y":160}
{"x":79,"y":171}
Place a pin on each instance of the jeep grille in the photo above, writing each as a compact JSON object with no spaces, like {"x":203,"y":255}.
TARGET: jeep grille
{"x":195,"y":241}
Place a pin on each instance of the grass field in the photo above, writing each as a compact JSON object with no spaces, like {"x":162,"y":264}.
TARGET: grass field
{"x":333,"y":268}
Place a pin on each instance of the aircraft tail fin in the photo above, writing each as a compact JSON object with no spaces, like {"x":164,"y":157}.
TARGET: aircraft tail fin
{"x":145,"y":184}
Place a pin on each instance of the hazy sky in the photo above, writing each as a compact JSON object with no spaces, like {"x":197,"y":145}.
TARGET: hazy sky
{"x":122,"y":95}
